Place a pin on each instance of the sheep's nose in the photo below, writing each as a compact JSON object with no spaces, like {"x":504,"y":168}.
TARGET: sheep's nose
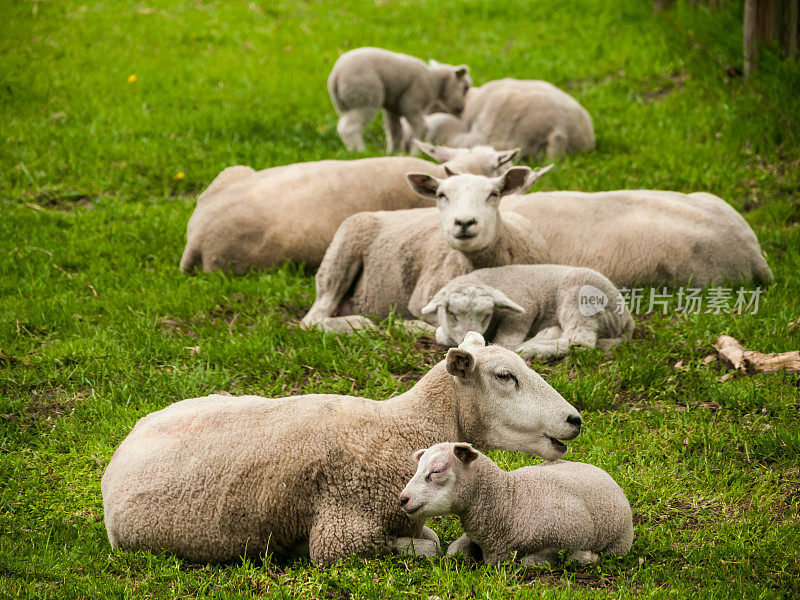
{"x":464,"y":225}
{"x":404,"y":499}
{"x":575,"y":420}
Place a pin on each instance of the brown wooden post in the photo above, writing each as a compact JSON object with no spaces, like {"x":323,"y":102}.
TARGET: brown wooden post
{"x":750,"y":28}
{"x":792,"y":18}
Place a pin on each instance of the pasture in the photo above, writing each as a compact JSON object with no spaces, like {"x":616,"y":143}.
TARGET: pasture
{"x":115,"y":115}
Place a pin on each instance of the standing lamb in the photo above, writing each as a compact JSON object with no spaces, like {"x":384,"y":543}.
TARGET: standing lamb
{"x":534,"y":511}
{"x":248,"y":218}
{"x":533,"y":115}
{"x":365,"y":80}
{"x":537,"y":310}
{"x":215,"y":478}
{"x":384,"y":260}
{"x":647,"y":237}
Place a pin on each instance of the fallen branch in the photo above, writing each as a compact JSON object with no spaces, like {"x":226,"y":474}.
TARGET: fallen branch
{"x":734,"y":355}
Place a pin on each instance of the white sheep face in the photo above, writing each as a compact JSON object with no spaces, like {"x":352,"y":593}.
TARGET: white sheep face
{"x":468,"y":205}
{"x":519,"y":410}
{"x":456,"y":85}
{"x":433,"y":489}
{"x":479,"y":160}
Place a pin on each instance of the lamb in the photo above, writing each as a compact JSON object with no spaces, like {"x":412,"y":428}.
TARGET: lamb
{"x":647,"y":237}
{"x":534,"y":115}
{"x":365,"y":80}
{"x":534,"y":511}
{"x":537,"y":310}
{"x":247,"y":219}
{"x":384,"y":260}
{"x":444,"y":129}
{"x":215,"y":478}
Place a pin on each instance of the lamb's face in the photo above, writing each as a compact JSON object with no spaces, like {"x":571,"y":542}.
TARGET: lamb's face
{"x":478,"y":160}
{"x":518,"y":409}
{"x":455,"y":87}
{"x":434,"y":488}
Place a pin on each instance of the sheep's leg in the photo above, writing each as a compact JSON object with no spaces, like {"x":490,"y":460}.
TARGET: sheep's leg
{"x":467,"y":547}
{"x":539,"y":558}
{"x":394,"y":131}
{"x":584,"y":556}
{"x":417,"y":326}
{"x":347,"y":324}
{"x":556,"y":144}
{"x":427,"y":544}
{"x":338,"y":533}
{"x":606,"y":343}
{"x":418,"y":129}
{"x":352,"y":123}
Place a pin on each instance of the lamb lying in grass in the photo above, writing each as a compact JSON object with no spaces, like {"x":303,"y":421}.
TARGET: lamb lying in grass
{"x":384,"y":260}
{"x":537,"y":310}
{"x":534,"y":511}
{"x":215,"y":478}
{"x":248,"y":218}
{"x":365,"y":80}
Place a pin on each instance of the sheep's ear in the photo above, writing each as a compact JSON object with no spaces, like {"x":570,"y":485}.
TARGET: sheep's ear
{"x":534,"y":177}
{"x":434,"y":304}
{"x":424,"y":185}
{"x":461,"y":70}
{"x":439,"y":153}
{"x":449,"y":172}
{"x":465,"y":453}
{"x":418,"y":454}
{"x":460,"y":363}
{"x":512,"y":180}
{"x":503,"y":301}
{"x":507,"y":156}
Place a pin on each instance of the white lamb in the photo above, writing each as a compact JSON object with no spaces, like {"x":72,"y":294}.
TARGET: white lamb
{"x":537,"y":310}
{"x":532,"y":512}
{"x":248,"y":218}
{"x":365,"y":80}
{"x":384,"y":260}
{"x":215,"y":478}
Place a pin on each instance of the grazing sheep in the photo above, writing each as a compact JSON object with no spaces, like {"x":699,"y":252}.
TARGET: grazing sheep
{"x":383,"y":260}
{"x":533,"y":115}
{"x":537,"y":310}
{"x":365,"y":80}
{"x":215,"y":478}
{"x":647,"y":237}
{"x":248,"y":219}
{"x":534,"y":511}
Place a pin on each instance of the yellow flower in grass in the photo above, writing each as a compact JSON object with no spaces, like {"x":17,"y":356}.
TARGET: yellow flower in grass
{"x":131,"y":78}
{"x":180,"y":175}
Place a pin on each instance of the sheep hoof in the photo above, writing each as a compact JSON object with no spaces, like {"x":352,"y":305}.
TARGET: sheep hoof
{"x":417,"y":547}
{"x":465,"y":547}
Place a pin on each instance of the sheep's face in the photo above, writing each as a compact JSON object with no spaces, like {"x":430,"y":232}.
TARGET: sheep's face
{"x":434,"y":489}
{"x":468,"y":205}
{"x":455,"y":85}
{"x":517,"y":409}
{"x":465,"y":307}
{"x":478,"y":160}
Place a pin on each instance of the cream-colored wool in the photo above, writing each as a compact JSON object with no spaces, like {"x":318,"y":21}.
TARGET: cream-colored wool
{"x":534,"y":512}
{"x":647,"y":237}
{"x":383,"y":260}
{"x":365,"y":80}
{"x":444,"y":129}
{"x":215,"y":478}
{"x":536,"y":310}
{"x":248,"y":218}
{"x":535,"y":116}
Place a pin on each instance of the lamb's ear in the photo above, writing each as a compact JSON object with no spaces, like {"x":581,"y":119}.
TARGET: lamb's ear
{"x":418,"y":454}
{"x":432,"y":306}
{"x":513,"y":180}
{"x":439,"y":153}
{"x":503,"y":301}
{"x":449,"y":172}
{"x":534,"y":177}
{"x":507,"y":156}
{"x":465,"y":453}
{"x":461,"y":70}
{"x":460,"y":363}
{"x":424,"y":185}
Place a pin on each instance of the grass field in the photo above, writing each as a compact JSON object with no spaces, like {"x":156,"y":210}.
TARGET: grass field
{"x":114,"y":115}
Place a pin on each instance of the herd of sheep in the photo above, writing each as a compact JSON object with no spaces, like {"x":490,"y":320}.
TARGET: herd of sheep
{"x":459,"y":250}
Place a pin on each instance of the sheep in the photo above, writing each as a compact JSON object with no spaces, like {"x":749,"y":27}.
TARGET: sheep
{"x":537,"y":310}
{"x":444,"y":129}
{"x":383,"y":260}
{"x":533,"y":512}
{"x":647,"y":237}
{"x":248,"y":219}
{"x":365,"y":80}
{"x":534,"y":115}
{"x":215,"y":478}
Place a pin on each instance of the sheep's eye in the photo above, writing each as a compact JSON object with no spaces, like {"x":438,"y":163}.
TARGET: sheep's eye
{"x":441,"y":196}
{"x":434,"y":472}
{"x":493,"y":195}
{"x":506,"y":378}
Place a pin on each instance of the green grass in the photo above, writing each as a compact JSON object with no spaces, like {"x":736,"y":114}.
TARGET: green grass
{"x":98,"y":327}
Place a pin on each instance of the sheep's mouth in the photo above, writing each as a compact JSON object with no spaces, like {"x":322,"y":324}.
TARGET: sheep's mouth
{"x":557,"y":444}
{"x":464,"y":235}
{"x":410,"y":512}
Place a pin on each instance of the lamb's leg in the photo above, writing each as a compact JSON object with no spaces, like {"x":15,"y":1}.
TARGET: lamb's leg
{"x":417,"y":326}
{"x":427,"y":544}
{"x":466,"y":547}
{"x":347,"y":324}
{"x":394,"y":131}
{"x":606,"y":343}
{"x":539,"y":558}
{"x":418,"y":129}
{"x":584,"y":556}
{"x":556,"y":144}
{"x":352,"y":123}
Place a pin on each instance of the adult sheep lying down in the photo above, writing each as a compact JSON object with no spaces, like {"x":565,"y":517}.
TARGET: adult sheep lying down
{"x":219,"y":477}
{"x":248,"y":218}
{"x":647,"y":237}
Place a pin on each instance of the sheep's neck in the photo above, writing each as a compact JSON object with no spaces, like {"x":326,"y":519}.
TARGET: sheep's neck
{"x":486,"y":507}
{"x":497,"y":254}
